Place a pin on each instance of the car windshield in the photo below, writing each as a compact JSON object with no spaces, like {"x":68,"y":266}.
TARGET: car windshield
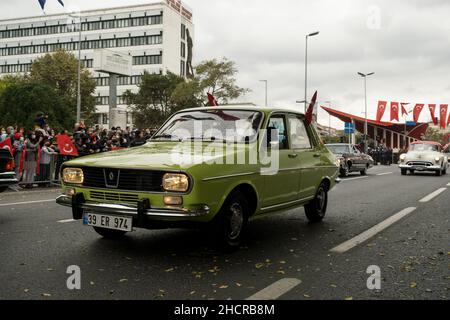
{"x":212,"y":125}
{"x":339,"y":149}
{"x":423,"y":147}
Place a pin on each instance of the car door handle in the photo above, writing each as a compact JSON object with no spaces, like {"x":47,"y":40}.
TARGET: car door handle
{"x":293,"y":156}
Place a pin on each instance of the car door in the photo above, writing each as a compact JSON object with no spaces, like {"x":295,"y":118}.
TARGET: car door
{"x":282,"y":184}
{"x":307,"y":155}
{"x":358,"y":161}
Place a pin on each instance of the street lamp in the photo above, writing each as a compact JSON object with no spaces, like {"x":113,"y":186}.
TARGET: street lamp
{"x":366,"y":126}
{"x":79,"y":69}
{"x":306,"y":66}
{"x":265,"y":81}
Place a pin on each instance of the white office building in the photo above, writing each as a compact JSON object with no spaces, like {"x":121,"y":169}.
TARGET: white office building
{"x":159,"y":37}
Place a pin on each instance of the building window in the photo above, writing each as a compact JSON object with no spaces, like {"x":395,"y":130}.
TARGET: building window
{"x":183,"y":68}
{"x":183,"y":32}
{"x":183,"y":50}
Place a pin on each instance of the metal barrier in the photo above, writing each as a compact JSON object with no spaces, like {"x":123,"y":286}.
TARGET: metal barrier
{"x":53,"y":173}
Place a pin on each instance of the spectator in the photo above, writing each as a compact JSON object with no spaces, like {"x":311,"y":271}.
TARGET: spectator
{"x":46,"y":157}
{"x":19,"y":144}
{"x":32,"y":146}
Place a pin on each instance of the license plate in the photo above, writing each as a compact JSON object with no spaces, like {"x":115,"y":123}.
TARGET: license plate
{"x":108,"y":222}
{"x":419,"y":168}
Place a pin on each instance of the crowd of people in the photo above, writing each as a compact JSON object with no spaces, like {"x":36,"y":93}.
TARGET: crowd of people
{"x":37,"y":157}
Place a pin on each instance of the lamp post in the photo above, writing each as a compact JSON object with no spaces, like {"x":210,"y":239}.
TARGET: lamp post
{"x":366,"y":126}
{"x":306,"y":66}
{"x":79,"y":69}
{"x":406,"y":124}
{"x":266,"y":82}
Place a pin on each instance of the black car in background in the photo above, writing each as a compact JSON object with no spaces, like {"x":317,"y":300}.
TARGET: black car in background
{"x":7,"y":174}
{"x":351,"y":159}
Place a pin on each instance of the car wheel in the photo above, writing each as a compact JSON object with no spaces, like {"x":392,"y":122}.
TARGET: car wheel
{"x":2,"y":189}
{"x":364,"y":172}
{"x":230,"y":224}
{"x":444,"y":172}
{"x":404,"y":172}
{"x":110,"y":234}
{"x":412,"y":172}
{"x":439,"y":173}
{"x":345,"y":172}
{"x":317,"y":208}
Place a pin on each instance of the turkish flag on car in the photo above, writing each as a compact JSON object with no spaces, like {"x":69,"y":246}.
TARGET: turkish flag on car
{"x":444,"y":108}
{"x":417,"y":111}
{"x":433,"y":113}
{"x":382,"y":105}
{"x":7,"y":145}
{"x":394,"y":111}
{"x":66,"y":146}
{"x":310,"y":112}
{"x":212,"y":102}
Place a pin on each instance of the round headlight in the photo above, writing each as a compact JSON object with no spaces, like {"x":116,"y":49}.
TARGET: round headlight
{"x":403,"y":157}
{"x":73,"y":176}
{"x":176,"y":182}
{"x":437,"y":159}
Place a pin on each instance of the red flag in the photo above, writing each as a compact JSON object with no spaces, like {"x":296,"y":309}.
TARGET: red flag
{"x":7,"y":145}
{"x":310,"y":113}
{"x":404,"y":111}
{"x":433,"y":113}
{"x":444,"y":108}
{"x":382,"y":105}
{"x":212,"y":102}
{"x":417,"y":111}
{"x":66,"y":146}
{"x":394,"y":111}
{"x":448,"y":121}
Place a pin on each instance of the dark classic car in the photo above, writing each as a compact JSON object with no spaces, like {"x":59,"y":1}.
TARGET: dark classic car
{"x":351,"y":159}
{"x":7,"y":175}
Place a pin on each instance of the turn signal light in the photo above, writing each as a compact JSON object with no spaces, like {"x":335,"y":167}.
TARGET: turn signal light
{"x":9,"y":165}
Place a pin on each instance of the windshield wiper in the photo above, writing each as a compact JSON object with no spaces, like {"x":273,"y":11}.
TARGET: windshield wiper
{"x":167,"y":136}
{"x":202,"y":138}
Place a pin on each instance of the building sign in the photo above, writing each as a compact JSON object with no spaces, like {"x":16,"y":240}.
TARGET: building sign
{"x":108,"y":61}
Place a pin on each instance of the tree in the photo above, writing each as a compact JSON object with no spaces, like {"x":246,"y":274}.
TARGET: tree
{"x":218,"y":78}
{"x":433,"y":134}
{"x":59,"y":71}
{"x":21,"y":101}
{"x":152,"y":103}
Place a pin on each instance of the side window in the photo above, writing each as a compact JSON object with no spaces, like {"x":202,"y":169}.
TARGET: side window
{"x":298,"y":134}
{"x":278,"y":123}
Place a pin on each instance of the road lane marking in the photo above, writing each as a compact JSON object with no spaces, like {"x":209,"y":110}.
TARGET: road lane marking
{"x":358,"y":178}
{"x":28,"y":202}
{"x":66,"y":221}
{"x":276,"y":290}
{"x":363,"y":237}
{"x":433,"y":195}
{"x":384,"y":174}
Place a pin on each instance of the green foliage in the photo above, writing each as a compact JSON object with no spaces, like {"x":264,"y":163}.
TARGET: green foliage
{"x":218,"y":78}
{"x":59,"y":71}
{"x":434,"y":134}
{"x":21,"y":101}
{"x":160,"y":96}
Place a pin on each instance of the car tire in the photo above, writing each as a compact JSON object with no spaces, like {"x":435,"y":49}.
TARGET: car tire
{"x":364,"y":172}
{"x":345,"y":172}
{"x":439,"y":173}
{"x":317,"y":208}
{"x":444,"y":172}
{"x":110,"y":234}
{"x":412,"y":172}
{"x":3,"y":189}
{"x":230,"y":224}
{"x":404,"y":172}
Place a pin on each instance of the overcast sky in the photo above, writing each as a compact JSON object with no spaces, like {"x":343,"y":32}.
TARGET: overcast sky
{"x":406,"y":42}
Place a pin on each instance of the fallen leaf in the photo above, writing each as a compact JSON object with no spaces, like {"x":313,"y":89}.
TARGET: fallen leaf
{"x":334,"y":286}
{"x":307,"y":296}
{"x":413,"y":285}
{"x":50,"y":269}
{"x":281,"y":272}
{"x":192,"y":293}
{"x":46,"y":295}
{"x":238,"y":284}
{"x":170,"y":270}
{"x":26,"y":290}
{"x":123,"y":280}
{"x":92,"y":283}
{"x":259,"y":265}
{"x":282,"y":262}
{"x":349,"y":299}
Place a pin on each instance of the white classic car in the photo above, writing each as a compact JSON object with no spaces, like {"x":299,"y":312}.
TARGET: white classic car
{"x":424,"y":156}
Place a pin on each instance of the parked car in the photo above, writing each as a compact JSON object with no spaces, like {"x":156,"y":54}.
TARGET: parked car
{"x":7,"y":175}
{"x":167,"y":184}
{"x":351,"y":159}
{"x":424,"y":156}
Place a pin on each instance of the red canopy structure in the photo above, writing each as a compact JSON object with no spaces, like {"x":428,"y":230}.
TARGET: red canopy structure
{"x":394,"y":135}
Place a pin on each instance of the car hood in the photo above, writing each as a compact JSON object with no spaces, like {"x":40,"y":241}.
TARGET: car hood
{"x":417,"y":155}
{"x":174,"y":156}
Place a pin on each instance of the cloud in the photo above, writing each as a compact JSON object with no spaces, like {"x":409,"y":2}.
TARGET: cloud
{"x":406,"y":43}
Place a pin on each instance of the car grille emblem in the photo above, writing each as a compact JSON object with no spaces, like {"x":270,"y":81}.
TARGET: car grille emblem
{"x":112,"y":178}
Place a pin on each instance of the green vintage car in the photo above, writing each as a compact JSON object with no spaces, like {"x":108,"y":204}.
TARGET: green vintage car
{"x":215,"y":168}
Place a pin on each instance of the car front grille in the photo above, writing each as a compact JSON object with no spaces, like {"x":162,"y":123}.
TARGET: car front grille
{"x":129,"y":180}
{"x":419,"y":164}
{"x":114,"y":197}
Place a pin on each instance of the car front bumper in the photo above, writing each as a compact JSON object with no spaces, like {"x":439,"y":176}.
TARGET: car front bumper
{"x":420,"y":167}
{"x":8,"y":179}
{"x":143,"y":209}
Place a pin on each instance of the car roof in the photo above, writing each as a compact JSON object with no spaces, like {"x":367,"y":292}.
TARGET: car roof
{"x":427,"y":142}
{"x":246,"y":108}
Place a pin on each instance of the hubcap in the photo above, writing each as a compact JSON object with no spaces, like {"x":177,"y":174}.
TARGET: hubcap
{"x":321,"y":198}
{"x":236,"y":221}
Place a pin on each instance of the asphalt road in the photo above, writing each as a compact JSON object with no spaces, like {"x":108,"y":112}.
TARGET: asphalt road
{"x":38,"y":245}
